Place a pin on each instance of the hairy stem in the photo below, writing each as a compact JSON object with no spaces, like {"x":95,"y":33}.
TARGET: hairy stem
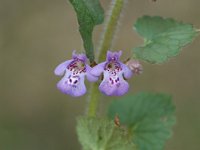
{"x":108,"y":35}
{"x":110,"y":28}
{"x":93,"y":98}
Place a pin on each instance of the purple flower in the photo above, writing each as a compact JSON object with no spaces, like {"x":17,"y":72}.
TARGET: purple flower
{"x":114,"y":72}
{"x":73,"y":72}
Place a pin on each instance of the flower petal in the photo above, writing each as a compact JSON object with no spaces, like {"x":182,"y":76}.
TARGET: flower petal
{"x":118,"y":54}
{"x":79,"y":90}
{"x":127,"y":72}
{"x":60,"y":69}
{"x":72,"y":90}
{"x":118,"y":89}
{"x":122,"y":88}
{"x":98,"y":69}
{"x":79,"y":56}
{"x":90,"y":77}
{"x":62,"y":85}
{"x":110,"y":55}
{"x":106,"y":88}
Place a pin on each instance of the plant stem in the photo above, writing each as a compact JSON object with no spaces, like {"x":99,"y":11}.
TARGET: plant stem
{"x":108,"y":35}
{"x":93,"y":98}
{"x":110,"y":28}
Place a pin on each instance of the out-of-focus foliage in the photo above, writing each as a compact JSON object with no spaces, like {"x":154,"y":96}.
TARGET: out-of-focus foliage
{"x":164,"y":38}
{"x":102,"y":134}
{"x":148,"y":116}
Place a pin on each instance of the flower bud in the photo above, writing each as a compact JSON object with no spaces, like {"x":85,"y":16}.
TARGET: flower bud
{"x":135,"y":66}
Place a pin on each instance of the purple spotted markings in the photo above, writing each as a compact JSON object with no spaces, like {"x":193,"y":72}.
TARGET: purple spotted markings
{"x":74,"y":72}
{"x":114,"y":75}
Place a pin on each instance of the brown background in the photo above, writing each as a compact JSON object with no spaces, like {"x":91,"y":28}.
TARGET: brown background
{"x":37,"y":35}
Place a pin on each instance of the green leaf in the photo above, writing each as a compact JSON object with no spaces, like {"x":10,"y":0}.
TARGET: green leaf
{"x":148,"y":116}
{"x":102,"y":134}
{"x":163,"y":38}
{"x":89,"y":14}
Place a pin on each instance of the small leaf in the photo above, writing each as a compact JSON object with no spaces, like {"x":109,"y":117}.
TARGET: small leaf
{"x":164,"y":38}
{"x":102,"y":134}
{"x":149,"y":118}
{"x":89,"y":14}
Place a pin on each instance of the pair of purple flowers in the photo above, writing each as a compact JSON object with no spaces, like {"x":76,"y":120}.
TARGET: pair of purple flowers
{"x":75,"y":70}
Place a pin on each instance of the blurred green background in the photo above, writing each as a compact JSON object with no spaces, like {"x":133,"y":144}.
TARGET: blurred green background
{"x":35,"y":36}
